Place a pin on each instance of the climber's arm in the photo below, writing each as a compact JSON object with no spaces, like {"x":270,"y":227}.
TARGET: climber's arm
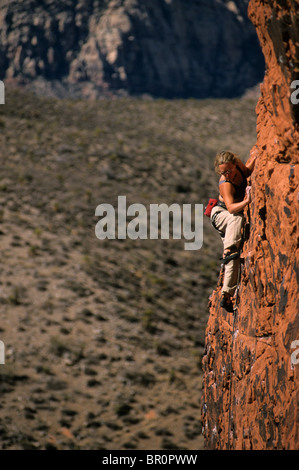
{"x":246,"y":170}
{"x":226,"y":191}
{"x":252,"y":159}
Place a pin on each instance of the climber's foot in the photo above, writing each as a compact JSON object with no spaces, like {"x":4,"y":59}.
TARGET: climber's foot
{"x":226,"y":302}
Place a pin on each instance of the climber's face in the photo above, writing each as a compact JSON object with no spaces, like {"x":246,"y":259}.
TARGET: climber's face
{"x":228,"y":170}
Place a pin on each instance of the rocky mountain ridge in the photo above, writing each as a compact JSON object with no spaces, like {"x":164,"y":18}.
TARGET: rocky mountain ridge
{"x":168,"y":48}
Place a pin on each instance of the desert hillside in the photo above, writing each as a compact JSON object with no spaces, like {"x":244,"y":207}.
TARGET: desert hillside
{"x":104,"y":339}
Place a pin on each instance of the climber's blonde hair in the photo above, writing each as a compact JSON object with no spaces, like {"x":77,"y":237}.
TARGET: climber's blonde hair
{"x":224,"y":157}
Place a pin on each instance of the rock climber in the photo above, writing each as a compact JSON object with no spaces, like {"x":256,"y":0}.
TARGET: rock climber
{"x":227,"y":215}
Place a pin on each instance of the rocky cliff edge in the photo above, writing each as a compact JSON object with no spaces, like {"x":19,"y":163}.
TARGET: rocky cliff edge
{"x":250,"y":365}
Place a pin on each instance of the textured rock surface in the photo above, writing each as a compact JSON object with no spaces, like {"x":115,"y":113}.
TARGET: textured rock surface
{"x":165,"y":48}
{"x":250,"y":381}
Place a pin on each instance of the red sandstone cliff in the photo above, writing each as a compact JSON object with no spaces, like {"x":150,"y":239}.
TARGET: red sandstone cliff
{"x":251,"y":393}
{"x":91,"y":48}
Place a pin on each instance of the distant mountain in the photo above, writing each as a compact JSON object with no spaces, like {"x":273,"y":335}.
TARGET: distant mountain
{"x":166,"y":48}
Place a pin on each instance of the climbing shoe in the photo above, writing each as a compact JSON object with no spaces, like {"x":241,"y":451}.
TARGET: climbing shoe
{"x":226,"y":303}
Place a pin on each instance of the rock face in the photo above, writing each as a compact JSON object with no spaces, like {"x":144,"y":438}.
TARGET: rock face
{"x":170,"y":48}
{"x":251,"y":366}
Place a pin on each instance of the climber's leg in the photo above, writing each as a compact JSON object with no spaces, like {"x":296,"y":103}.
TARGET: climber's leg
{"x":231,"y":225}
{"x":233,"y":231}
{"x":230,"y":280}
{"x":231,"y":243}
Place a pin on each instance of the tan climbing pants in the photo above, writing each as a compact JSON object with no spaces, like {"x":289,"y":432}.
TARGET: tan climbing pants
{"x":230,"y":228}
